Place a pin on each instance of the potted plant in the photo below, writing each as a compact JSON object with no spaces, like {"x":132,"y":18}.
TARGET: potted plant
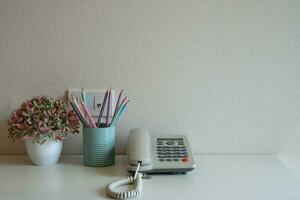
{"x":43,"y":122}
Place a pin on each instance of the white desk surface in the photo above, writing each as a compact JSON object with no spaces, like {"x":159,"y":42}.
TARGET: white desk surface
{"x":217,"y":177}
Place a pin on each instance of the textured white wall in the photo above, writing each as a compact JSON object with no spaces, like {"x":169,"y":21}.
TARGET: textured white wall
{"x":226,"y":73}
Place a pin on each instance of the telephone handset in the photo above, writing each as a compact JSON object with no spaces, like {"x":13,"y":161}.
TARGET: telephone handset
{"x":150,"y":154}
{"x":138,"y":147}
{"x":158,"y":154}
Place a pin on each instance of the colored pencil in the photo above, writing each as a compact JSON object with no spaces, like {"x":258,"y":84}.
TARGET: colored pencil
{"x":88,"y":114}
{"x":80,"y":112}
{"x":120,"y":106}
{"x":120,"y":111}
{"x":83,"y":97}
{"x":121,"y":103}
{"x":118,"y":102}
{"x":76,"y":111}
{"x":102,"y":108}
{"x":108,"y":107}
{"x":123,"y":100}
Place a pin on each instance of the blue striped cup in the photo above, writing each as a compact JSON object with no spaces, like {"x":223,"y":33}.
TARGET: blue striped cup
{"x":99,"y":146}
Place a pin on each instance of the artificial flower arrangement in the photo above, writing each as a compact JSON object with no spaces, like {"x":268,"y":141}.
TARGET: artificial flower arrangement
{"x":42,"y":119}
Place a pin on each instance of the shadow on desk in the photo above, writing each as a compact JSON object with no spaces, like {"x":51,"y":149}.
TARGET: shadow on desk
{"x":8,"y":160}
{"x":116,"y":170}
{"x":67,"y":162}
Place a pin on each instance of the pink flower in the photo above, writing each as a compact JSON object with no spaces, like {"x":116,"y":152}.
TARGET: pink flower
{"x":43,"y":118}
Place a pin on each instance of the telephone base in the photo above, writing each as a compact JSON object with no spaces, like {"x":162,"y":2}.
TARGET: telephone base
{"x":165,"y":171}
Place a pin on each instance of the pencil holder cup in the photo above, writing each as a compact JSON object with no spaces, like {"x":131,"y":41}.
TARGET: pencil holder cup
{"x":99,"y":146}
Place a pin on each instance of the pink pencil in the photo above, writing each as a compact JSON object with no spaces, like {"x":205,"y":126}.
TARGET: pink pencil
{"x":80,"y":112}
{"x":88,"y":114}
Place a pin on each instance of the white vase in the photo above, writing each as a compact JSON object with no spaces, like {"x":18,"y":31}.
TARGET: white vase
{"x":47,"y":153}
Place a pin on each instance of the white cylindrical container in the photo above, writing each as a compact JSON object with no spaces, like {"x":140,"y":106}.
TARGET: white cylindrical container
{"x":47,"y":153}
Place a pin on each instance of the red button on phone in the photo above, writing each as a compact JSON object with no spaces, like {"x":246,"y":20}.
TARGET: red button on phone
{"x":184,"y":159}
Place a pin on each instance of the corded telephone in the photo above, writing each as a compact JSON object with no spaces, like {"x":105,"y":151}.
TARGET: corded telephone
{"x":158,"y":154}
{"x":152,"y":155}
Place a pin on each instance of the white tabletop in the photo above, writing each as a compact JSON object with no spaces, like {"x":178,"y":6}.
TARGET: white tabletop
{"x":216,"y":177}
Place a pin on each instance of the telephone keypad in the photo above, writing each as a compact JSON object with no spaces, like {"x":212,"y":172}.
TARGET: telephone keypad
{"x":171,"y":149}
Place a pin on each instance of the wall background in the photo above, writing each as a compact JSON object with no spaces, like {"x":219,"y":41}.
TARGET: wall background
{"x":226,"y":73}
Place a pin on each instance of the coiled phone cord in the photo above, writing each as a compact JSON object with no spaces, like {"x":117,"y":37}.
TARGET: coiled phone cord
{"x":137,"y":180}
